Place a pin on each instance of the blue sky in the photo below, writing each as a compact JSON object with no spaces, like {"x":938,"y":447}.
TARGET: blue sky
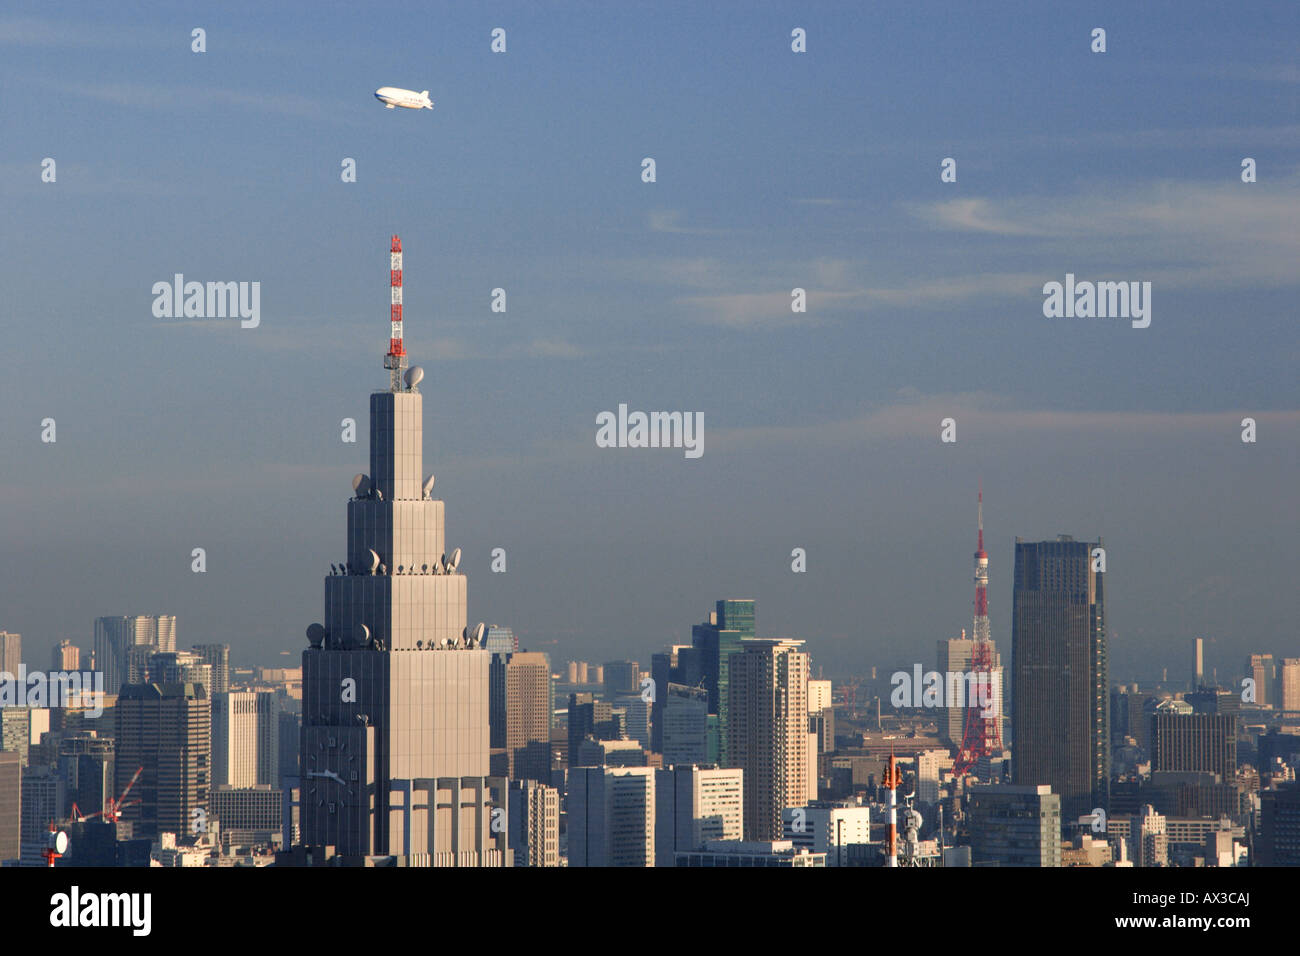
{"x":774,"y":170}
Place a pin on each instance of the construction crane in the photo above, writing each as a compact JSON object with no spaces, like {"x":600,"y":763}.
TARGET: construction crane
{"x":112,"y":811}
{"x":850,"y":690}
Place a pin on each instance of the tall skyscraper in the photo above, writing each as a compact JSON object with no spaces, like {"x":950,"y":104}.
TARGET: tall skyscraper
{"x":767,"y":731}
{"x":1198,"y":662}
{"x":66,"y":657}
{"x":1061,"y":684}
{"x":10,"y":807}
{"x":716,"y":641}
{"x":637,"y":709}
{"x":11,"y":652}
{"x":1262,"y":669}
{"x":45,"y":796}
{"x":534,"y":823}
{"x":611,"y":813}
{"x":665,"y":669}
{"x":1205,"y":743}
{"x":529,"y":706}
{"x":217,"y":657}
{"x":395,"y":686}
{"x":587,"y":717}
{"x":166,"y":731}
{"x":234,"y":739}
{"x":114,"y":636}
{"x":686,"y":736}
{"x":1290,"y":681}
{"x":87,"y":762}
{"x":694,"y":805}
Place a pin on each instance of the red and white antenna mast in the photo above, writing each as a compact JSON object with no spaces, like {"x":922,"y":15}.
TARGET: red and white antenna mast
{"x":396,"y":357}
{"x":981,"y":631}
{"x":983,"y":735}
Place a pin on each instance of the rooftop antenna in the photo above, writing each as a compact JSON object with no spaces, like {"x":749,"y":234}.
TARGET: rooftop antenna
{"x":395,"y":360}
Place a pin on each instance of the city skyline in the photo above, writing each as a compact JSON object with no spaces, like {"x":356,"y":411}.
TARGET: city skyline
{"x":924,"y":302}
{"x":725,"y":337}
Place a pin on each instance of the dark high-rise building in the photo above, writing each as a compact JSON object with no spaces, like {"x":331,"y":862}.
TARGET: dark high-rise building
{"x":665,"y":669}
{"x":587,"y":717}
{"x":500,"y":642}
{"x":87,"y":762}
{"x":1278,"y":843}
{"x":686,"y":737}
{"x":166,"y":731}
{"x":716,"y":640}
{"x":45,"y":794}
{"x":1015,"y":826}
{"x":290,"y":729}
{"x":1060,"y":683}
{"x":1204,"y":743}
{"x":622,"y":678}
{"x":1214,"y":700}
{"x":1274,"y":746}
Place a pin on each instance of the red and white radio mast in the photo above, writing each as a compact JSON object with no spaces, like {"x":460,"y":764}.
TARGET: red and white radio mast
{"x":982,"y":736}
{"x":396,"y":357}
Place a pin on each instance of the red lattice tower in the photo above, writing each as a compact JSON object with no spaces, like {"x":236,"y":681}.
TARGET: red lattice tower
{"x":983,"y":735}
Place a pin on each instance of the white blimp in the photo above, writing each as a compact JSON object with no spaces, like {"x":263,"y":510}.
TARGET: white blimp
{"x":393,"y":96}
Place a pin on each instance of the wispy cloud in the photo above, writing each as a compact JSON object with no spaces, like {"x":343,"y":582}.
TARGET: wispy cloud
{"x":1229,"y":232}
{"x":913,"y":414}
{"x":670,"y":221}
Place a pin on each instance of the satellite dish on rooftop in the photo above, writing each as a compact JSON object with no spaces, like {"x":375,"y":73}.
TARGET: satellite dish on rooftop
{"x":362,"y":635}
{"x":316,"y":635}
{"x":374,"y":561}
{"x":455,"y":560}
{"x":361,"y":485}
{"x":479,"y":632}
{"x":428,"y":485}
{"x":414,"y":374}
